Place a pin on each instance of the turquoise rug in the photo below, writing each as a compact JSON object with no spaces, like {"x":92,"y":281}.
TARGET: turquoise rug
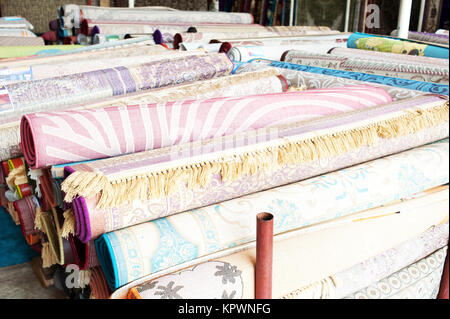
{"x":14,"y":249}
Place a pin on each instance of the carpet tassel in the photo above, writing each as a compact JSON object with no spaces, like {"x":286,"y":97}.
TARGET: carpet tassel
{"x":69,"y":224}
{"x":37,"y":219}
{"x":48,"y":258}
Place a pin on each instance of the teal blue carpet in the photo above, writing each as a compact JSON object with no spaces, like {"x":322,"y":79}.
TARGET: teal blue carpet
{"x":14,"y":249}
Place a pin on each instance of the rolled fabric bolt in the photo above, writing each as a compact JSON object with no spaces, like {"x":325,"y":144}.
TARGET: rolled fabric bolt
{"x":264,"y":252}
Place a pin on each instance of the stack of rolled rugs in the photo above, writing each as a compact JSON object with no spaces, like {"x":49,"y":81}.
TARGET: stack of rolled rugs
{"x":145,"y":167}
{"x":18,"y":40}
{"x":15,"y":34}
{"x":17,"y":31}
{"x":173,"y":28}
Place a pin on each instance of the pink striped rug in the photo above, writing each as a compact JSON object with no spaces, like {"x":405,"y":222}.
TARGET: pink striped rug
{"x":50,"y":138}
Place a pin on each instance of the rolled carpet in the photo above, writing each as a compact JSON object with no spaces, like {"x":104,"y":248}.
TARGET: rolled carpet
{"x":101,"y":38}
{"x":425,"y":37}
{"x":91,"y":221}
{"x":53,"y":25}
{"x":301,"y":79}
{"x":420,"y":280}
{"x":137,"y":251}
{"x":160,"y":125}
{"x":299,"y":30}
{"x":387,"y":56}
{"x":442,"y":31}
{"x":257,"y":82}
{"x":208,"y":47}
{"x":63,"y":33}
{"x":81,"y":254}
{"x":21,"y":41}
{"x":17,"y":180}
{"x":302,"y":257}
{"x":99,"y":62}
{"x":114,"y":50}
{"x":277,"y":30}
{"x":165,"y":189}
{"x":14,"y":32}
{"x":207,"y":33}
{"x":248,"y":83}
{"x":244,"y":53}
{"x":269,"y":33}
{"x":376,"y":268}
{"x":98,"y":285}
{"x":162,"y":35}
{"x":15,"y":22}
{"x":45,"y":202}
{"x":114,"y":27}
{"x":91,"y":27}
{"x":364,"y":41}
{"x":402,"y":70}
{"x":50,"y":36}
{"x":338,"y":39}
{"x":164,"y":171}
{"x":208,"y":36}
{"x":26,"y":210}
{"x":74,"y":14}
{"x":73,"y":39}
{"x":381,"y":266}
{"x":46,"y":187}
{"x":427,"y":87}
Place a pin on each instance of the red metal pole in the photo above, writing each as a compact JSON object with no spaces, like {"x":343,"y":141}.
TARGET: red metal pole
{"x":264,"y":255}
{"x":443,"y":290}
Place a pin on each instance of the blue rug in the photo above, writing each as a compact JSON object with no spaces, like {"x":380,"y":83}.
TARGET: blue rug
{"x":14,"y":249}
